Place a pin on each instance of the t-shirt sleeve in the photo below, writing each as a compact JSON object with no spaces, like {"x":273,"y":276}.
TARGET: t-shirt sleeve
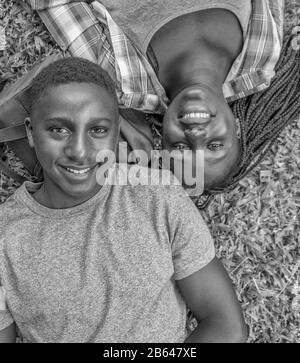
{"x":6,"y":210}
{"x":5,"y":316}
{"x":191,"y":242}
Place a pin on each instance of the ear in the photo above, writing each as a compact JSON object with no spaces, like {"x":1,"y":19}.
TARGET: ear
{"x":29,"y":131}
{"x":238,"y":128}
{"x":158,"y":143}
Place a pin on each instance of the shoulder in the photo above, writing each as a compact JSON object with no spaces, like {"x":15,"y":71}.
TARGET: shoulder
{"x":8,"y":208}
{"x":13,"y":208}
{"x":8,"y":212}
{"x":276,"y":8}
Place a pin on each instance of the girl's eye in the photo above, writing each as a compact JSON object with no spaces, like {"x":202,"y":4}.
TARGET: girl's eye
{"x":182,"y":147}
{"x":98,"y":130}
{"x":215,"y":146}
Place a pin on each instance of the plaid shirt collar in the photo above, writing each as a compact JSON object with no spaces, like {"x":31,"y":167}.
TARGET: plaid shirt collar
{"x":92,"y":33}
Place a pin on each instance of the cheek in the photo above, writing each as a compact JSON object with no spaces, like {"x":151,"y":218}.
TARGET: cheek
{"x":172,"y":135}
{"x":47,"y":150}
{"x":168,"y":132}
{"x":110,"y":142}
{"x":167,"y":123}
{"x":221,"y":126}
{"x":102,"y":145}
{"x":171,"y":124}
{"x":229,"y":118}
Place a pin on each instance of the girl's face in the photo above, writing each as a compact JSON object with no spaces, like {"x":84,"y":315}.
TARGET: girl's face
{"x":199,"y":119}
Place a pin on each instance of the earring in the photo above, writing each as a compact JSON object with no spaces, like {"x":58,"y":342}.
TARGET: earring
{"x":157,"y":143}
{"x":238,"y":128}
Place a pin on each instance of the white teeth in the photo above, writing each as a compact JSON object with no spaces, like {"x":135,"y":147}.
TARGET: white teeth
{"x":78,"y":171}
{"x":196,"y":115}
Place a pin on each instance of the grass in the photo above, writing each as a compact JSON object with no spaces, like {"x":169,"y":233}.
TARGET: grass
{"x":256,"y":226}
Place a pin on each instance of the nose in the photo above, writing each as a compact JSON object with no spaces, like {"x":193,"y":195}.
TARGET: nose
{"x":196,"y":136}
{"x":77,"y":148}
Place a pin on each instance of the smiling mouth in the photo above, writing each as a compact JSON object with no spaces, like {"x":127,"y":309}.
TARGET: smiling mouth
{"x":77,"y":172}
{"x":195,"y":119}
{"x":195,"y":115}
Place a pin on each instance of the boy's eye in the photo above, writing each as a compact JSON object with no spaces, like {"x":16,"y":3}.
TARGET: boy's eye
{"x":181,"y":147}
{"x":98,"y":131}
{"x":215,"y":146}
{"x":59,"y":130}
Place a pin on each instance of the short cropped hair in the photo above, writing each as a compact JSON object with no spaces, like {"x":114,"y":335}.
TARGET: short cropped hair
{"x":68,"y":70}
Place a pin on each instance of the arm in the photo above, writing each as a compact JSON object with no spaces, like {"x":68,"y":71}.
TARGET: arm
{"x":8,"y":335}
{"x":210,"y":296}
{"x":46,"y":4}
{"x":77,"y":29}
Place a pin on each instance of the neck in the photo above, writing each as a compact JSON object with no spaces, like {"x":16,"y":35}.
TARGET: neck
{"x":58,"y":199}
{"x":189,"y":68}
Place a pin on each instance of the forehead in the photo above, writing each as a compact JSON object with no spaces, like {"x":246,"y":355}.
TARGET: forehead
{"x":75,"y":98}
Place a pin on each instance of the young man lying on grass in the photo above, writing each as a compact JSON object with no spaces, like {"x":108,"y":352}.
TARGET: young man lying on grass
{"x":85,"y":262}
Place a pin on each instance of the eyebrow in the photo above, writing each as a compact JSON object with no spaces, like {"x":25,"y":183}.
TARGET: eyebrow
{"x":70,"y":123}
{"x":57,"y":119}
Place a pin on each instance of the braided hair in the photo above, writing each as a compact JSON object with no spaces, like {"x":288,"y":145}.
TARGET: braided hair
{"x":262,"y":117}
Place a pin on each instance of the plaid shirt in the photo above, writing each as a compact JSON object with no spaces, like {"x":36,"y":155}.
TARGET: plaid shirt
{"x":86,"y":29}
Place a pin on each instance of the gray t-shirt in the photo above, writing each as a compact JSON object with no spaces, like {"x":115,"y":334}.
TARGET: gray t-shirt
{"x":103,"y":271}
{"x":140,"y":20}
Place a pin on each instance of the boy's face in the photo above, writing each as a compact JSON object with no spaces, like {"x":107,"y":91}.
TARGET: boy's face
{"x":199,"y":119}
{"x":70,"y":124}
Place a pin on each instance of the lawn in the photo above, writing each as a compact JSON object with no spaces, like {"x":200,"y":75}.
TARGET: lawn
{"x":256,"y":227}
